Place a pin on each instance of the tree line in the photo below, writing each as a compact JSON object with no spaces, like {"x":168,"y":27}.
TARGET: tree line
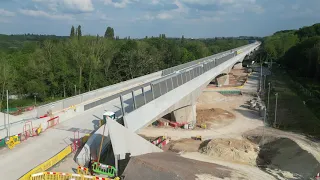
{"x":298,"y":50}
{"x":52,"y":67}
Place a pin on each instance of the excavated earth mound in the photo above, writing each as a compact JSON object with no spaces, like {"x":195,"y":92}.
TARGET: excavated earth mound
{"x":234,"y":150}
{"x":171,"y":166}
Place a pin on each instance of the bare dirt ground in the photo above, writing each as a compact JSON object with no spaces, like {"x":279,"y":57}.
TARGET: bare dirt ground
{"x":285,"y":154}
{"x":184,"y":145}
{"x":171,"y":166}
{"x":214,"y":117}
{"x":236,"y":142}
{"x":243,"y":121}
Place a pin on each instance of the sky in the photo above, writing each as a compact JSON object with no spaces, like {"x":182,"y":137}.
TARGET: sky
{"x":140,"y":18}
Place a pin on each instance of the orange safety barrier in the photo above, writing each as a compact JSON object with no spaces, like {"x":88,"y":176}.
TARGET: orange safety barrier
{"x":52,"y":122}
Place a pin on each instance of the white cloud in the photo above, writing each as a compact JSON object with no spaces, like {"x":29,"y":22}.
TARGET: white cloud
{"x":164,"y":15}
{"x":231,"y":5}
{"x":121,"y":4}
{"x":77,"y":5}
{"x":155,"y":1}
{"x":82,"y":5}
{"x":174,"y":13}
{"x":38,"y":13}
{"x":217,"y":2}
{"x":4,"y":12}
{"x":181,"y":8}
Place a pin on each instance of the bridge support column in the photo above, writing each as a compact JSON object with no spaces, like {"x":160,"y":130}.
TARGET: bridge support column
{"x":223,"y":80}
{"x":238,"y":66}
{"x":185,"y":114}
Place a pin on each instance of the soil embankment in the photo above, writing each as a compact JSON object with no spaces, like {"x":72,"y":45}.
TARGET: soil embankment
{"x":160,"y":166}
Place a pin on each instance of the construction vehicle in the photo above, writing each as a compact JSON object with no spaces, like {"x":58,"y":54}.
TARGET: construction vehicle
{"x":197,"y":138}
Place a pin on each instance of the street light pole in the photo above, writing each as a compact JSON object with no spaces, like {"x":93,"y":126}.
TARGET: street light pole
{"x":275,"y":111}
{"x":268,"y":97}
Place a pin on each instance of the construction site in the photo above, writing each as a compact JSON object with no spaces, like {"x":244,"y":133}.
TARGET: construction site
{"x":229,"y":140}
{"x":224,"y":134}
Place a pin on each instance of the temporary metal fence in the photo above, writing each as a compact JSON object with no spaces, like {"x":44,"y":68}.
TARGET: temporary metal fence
{"x":152,"y":90}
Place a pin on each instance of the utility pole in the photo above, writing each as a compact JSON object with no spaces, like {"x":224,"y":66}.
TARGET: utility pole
{"x":271,"y":67}
{"x":268,"y":97}
{"x":8,"y":121}
{"x":75,"y":90}
{"x":264,"y":82}
{"x":35,"y":100}
{"x":4,"y":122}
{"x":275,"y":111}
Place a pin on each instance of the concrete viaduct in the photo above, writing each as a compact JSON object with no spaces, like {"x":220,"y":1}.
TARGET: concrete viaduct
{"x":175,"y":92}
{"x":136,"y":102}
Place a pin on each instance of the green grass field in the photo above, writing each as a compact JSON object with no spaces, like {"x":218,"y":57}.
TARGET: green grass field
{"x":292,"y":113}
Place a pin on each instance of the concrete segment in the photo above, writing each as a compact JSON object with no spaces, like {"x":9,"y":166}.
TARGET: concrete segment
{"x":237,"y":66}
{"x":185,"y":114}
{"x":222,"y":80}
{"x":125,"y":141}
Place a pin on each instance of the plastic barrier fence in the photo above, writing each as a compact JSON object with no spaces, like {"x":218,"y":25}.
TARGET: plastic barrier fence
{"x":48,"y":164}
{"x":13,"y":141}
{"x":63,"y":176}
{"x":2,"y":142}
{"x":98,"y":168}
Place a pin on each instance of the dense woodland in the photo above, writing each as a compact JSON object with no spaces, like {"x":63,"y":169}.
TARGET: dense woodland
{"x":298,"y":50}
{"x":51,"y":66}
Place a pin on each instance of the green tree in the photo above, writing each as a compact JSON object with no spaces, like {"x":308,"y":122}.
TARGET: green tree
{"x":72,"y":33}
{"x":79,"y":34}
{"x":109,"y":33}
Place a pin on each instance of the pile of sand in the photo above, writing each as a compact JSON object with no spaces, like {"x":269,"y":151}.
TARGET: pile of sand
{"x":214,"y":117}
{"x":235,"y":150}
{"x":211,"y":97}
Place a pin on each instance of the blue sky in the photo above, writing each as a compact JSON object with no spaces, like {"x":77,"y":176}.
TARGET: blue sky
{"x":139,"y":18}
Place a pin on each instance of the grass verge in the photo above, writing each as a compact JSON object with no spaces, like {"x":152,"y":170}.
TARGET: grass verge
{"x":292,"y":113}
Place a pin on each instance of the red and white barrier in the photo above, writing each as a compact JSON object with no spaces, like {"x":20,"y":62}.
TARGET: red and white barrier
{"x":52,"y":122}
